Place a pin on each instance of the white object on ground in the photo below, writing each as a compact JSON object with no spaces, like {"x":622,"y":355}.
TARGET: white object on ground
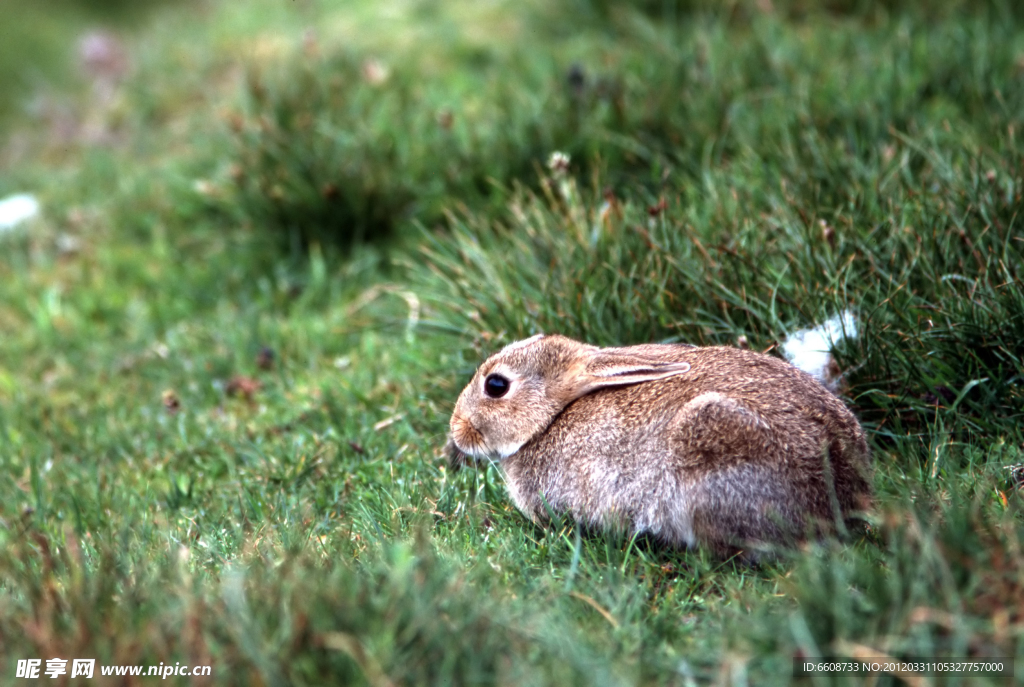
{"x":811,"y":349}
{"x":16,"y":209}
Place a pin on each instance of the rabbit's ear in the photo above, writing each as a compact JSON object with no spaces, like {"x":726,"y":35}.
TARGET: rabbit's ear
{"x":604,"y":369}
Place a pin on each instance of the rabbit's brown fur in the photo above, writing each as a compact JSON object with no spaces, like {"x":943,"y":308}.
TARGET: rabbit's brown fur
{"x":715,"y":446}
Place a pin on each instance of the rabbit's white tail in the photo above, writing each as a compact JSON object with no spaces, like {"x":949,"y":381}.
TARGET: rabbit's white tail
{"x":17,"y":209}
{"x":811,"y":349}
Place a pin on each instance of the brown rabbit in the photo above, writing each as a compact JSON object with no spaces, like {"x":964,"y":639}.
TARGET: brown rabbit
{"x":714,"y":446}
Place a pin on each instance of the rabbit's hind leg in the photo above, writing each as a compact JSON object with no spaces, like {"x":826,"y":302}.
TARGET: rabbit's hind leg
{"x":735,"y":481}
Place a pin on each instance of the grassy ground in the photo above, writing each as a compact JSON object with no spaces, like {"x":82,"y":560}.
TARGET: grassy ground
{"x":274,"y":249}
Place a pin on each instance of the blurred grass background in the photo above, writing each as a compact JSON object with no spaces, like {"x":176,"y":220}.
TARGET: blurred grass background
{"x":276,"y":240}
{"x":38,"y":44}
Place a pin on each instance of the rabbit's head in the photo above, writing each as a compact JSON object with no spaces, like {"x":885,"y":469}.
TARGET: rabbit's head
{"x":518,"y":392}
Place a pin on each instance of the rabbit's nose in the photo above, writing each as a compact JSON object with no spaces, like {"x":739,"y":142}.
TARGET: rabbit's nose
{"x":466,"y":437}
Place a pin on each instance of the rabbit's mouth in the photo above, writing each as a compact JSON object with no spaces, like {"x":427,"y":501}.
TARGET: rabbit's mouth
{"x":457,"y":459}
{"x":470,"y":442}
{"x":466,"y":439}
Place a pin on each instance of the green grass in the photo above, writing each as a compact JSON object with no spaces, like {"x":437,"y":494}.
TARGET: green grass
{"x":171,"y":492}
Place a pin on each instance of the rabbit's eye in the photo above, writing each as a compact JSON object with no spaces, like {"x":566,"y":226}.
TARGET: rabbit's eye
{"x":495,"y":386}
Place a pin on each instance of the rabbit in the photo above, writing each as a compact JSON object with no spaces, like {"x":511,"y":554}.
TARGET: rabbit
{"x":718,"y":447}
